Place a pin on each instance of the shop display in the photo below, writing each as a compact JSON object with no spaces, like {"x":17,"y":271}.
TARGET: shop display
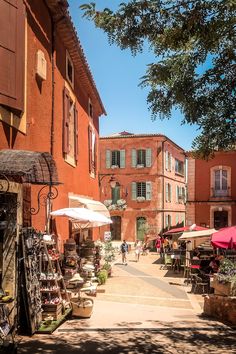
{"x":54,"y":295}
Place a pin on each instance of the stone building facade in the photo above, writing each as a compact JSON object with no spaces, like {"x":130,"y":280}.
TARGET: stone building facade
{"x":211,"y":186}
{"x":149,"y":190}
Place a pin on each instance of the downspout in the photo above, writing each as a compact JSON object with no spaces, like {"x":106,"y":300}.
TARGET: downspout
{"x":53,"y":89}
{"x":163,"y":186}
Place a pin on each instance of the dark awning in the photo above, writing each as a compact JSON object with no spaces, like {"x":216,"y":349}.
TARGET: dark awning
{"x":30,"y":166}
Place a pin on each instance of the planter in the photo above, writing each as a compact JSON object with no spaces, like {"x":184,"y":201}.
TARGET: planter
{"x":82,"y":307}
{"x":220,"y":307}
{"x":226,"y":289}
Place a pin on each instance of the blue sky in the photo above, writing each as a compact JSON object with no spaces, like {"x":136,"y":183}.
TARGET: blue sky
{"x":117,"y":75}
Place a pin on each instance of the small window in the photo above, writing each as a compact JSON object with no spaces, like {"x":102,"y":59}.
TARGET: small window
{"x":90,"y":109}
{"x":69,"y":70}
{"x":179,"y":167}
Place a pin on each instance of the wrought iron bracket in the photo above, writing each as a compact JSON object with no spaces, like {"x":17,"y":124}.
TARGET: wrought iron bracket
{"x":43,"y":197}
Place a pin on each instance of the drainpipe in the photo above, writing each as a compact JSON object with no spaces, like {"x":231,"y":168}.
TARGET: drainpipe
{"x":163,"y":186}
{"x":53,"y":89}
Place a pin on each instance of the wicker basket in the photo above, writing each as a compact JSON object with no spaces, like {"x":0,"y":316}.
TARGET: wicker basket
{"x":82,"y":307}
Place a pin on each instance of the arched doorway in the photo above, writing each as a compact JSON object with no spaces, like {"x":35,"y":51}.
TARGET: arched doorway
{"x":116,"y":228}
{"x":220,"y":219}
{"x":141,"y":227}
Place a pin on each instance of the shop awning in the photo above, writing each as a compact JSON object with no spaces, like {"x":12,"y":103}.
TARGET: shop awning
{"x":192,"y":235}
{"x":78,"y":202}
{"x":29,"y":166}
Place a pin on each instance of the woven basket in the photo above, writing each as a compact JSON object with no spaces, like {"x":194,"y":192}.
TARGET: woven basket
{"x":82,"y":307}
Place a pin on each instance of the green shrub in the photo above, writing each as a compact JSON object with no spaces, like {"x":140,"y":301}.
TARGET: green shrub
{"x":102,"y":276}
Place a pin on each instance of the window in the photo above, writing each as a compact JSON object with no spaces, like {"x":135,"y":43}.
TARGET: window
{"x":179,"y":167}
{"x":168,"y":192}
{"x":141,"y":158}
{"x":168,"y":161}
{"x":92,"y":143}
{"x":115,"y":158}
{"x":90,"y":109}
{"x":221,"y":185}
{"x":69,"y":70}
{"x":12,"y":48}
{"x":141,"y":190}
{"x":70,"y":128}
{"x":180,"y":194}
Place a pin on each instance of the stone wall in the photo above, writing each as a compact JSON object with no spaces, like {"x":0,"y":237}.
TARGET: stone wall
{"x":220,"y":307}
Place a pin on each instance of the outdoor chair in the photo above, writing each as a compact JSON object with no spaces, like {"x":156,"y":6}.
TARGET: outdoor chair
{"x":199,"y":284}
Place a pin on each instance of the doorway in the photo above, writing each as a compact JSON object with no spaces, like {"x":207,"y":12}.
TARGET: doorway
{"x":116,"y":228}
{"x":220,"y":219}
{"x":141,"y":228}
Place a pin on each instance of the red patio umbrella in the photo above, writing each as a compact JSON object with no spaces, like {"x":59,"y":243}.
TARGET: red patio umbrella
{"x":225,"y":238}
{"x":185,"y":228}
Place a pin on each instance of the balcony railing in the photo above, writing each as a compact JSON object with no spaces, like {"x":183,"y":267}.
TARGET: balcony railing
{"x":220,"y":193}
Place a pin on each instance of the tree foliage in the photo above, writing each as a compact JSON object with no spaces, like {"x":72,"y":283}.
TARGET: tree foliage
{"x":194,"y":68}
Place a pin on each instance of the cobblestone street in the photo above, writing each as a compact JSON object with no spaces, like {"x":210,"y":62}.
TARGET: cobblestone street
{"x":141,"y":309}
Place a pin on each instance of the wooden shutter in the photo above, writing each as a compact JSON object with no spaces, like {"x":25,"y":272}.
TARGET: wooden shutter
{"x":122,"y":158}
{"x":95,"y":155}
{"x":148,"y":190}
{"x":90,"y":148}
{"x":66,"y":121}
{"x":170,"y":196}
{"x":12,"y":53}
{"x":134,"y":190}
{"x":26,"y":195}
{"x":108,"y":158}
{"x":76,"y":134}
{"x":166,"y":160}
{"x":148,"y":157}
{"x":134,"y":157}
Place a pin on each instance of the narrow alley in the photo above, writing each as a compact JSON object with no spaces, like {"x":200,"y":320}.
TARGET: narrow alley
{"x":142,"y":308}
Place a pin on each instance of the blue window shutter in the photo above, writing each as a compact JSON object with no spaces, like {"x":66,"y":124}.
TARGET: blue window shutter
{"x":134,"y":190}
{"x":148,"y":157}
{"x":122,"y":158}
{"x":134,"y":158}
{"x":148,"y":190}
{"x":108,"y":158}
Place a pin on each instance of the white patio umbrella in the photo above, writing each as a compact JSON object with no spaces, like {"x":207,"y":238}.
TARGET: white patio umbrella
{"x":88,"y":218}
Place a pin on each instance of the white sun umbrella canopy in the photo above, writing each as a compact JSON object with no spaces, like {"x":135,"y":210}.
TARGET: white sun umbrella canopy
{"x":84,"y":216}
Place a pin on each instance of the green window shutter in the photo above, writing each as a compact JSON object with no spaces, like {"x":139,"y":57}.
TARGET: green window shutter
{"x":134,"y":157}
{"x":148,"y":190}
{"x":148,"y":157}
{"x":177,"y":194}
{"x":108,"y":158}
{"x":176,"y":219}
{"x":170,"y":192}
{"x":166,"y":218}
{"x":122,"y":158}
{"x":134,"y":190}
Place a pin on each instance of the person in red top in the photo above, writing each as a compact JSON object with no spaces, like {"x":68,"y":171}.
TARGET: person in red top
{"x":158,"y":244}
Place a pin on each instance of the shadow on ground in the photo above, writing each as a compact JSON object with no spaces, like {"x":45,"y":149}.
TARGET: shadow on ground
{"x":172,"y":338}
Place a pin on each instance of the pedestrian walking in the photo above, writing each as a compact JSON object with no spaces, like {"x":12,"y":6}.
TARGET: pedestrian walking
{"x":138,"y":250}
{"x":158,"y":244}
{"x":124,"y":251}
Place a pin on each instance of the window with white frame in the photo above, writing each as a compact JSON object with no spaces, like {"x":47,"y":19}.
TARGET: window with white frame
{"x":168,"y":192}
{"x":69,"y":69}
{"x":179,"y":167}
{"x":141,"y":158}
{"x":115,"y":158}
{"x":221,"y":185}
{"x":141,"y":191}
{"x":168,"y":159}
{"x":180,"y":194}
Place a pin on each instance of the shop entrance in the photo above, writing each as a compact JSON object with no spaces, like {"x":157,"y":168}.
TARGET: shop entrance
{"x":116,"y":228}
{"x":140,"y":227}
{"x":220,"y":219}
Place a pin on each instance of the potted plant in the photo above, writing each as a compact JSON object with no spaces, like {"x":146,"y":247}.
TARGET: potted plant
{"x":109,"y":256}
{"x":102,"y":276}
{"x":224,"y":281}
